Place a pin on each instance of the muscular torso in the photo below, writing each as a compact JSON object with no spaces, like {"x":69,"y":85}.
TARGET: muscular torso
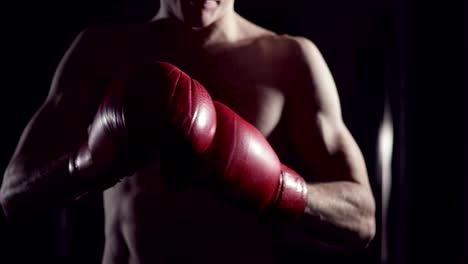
{"x":149,"y":221}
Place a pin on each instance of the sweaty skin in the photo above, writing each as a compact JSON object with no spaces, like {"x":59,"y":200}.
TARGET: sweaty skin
{"x":280,"y":84}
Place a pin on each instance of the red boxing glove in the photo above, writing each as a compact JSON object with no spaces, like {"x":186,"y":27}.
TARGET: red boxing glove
{"x":243,"y":162}
{"x":251,"y":169}
{"x":158,"y":102}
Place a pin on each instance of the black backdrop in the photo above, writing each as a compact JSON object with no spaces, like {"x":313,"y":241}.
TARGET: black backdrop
{"x":371,"y":47}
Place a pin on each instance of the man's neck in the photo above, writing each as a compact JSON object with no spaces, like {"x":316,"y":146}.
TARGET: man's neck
{"x":223,"y":30}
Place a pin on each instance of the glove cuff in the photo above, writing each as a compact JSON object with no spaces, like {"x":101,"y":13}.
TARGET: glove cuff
{"x":293,"y":194}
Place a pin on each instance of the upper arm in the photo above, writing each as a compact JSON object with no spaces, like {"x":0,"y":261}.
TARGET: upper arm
{"x":317,"y":131}
{"x":56,"y":124}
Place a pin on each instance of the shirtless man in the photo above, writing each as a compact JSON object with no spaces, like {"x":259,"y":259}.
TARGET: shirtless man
{"x":280,"y":84}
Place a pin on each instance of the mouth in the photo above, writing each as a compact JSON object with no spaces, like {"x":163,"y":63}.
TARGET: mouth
{"x":204,"y":4}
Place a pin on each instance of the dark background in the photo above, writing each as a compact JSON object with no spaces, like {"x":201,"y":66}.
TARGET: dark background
{"x":405,"y":49}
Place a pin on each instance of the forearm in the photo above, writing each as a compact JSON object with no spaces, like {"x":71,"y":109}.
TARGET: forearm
{"x":340,"y":214}
{"x":29,"y":188}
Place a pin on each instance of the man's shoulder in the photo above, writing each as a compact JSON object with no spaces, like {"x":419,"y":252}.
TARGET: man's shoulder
{"x":94,"y":54}
{"x":270,"y":42}
{"x":109,"y":38}
{"x":288,"y":48}
{"x":86,"y":49}
{"x":100,"y":49}
{"x":288,"y":55}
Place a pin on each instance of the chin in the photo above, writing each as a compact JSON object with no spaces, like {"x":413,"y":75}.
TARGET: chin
{"x":200,"y":24}
{"x":197,"y":16}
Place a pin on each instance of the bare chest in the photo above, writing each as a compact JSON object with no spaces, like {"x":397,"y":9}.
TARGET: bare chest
{"x":259,"y":101}
{"x":246,"y":76}
{"x":244,"y":83}
{"x":248,"y":85}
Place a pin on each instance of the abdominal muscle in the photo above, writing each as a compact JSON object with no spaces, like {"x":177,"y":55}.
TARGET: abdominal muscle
{"x":147,"y":222}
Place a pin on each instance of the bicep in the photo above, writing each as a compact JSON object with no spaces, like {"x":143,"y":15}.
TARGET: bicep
{"x":55,"y":125}
{"x":317,"y":131}
{"x":325,"y":146}
{"x":44,"y":130}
